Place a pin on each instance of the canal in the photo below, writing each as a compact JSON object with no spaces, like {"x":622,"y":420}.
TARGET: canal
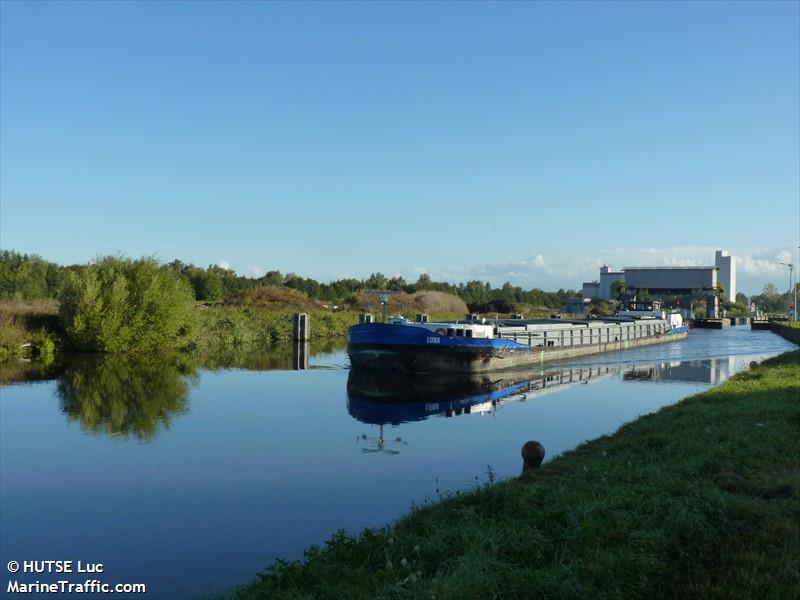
{"x":191,"y":477}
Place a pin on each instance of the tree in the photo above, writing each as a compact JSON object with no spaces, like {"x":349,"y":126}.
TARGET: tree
{"x":396,"y":283}
{"x":423,"y":282}
{"x":124,"y":305}
{"x":272,"y":278}
{"x":208,"y":286}
{"x":741,"y":298}
{"x":376,"y":281}
{"x":618,"y":290}
{"x":26,"y":276}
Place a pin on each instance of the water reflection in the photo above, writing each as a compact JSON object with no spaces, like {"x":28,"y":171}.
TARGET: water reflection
{"x":27,"y":371}
{"x":711,"y":371}
{"x":125,"y":396}
{"x":269,"y":358}
{"x":380,"y":398}
{"x":135,"y":396}
{"x":379,"y":444}
{"x":300,"y":355}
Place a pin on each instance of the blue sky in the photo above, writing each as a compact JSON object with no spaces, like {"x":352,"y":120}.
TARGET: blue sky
{"x":506,"y":141}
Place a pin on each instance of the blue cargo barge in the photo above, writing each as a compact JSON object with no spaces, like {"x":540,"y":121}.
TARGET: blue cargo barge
{"x":481,"y":345}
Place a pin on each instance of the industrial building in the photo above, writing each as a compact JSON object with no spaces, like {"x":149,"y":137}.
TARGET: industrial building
{"x":602,"y":288}
{"x":669,"y":279}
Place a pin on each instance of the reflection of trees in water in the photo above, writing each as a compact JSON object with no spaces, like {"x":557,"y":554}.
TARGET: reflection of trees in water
{"x":125,"y":395}
{"x":136,"y":395}
{"x":25,"y":371}
{"x":259,"y":358}
{"x":250,"y":358}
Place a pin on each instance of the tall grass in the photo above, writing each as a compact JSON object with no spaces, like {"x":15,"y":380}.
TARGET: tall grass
{"x":28,"y":327}
{"x":229,"y":326}
{"x":235,"y":326}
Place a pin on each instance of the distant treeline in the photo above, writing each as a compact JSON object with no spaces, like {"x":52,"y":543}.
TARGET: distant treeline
{"x":30,"y":277}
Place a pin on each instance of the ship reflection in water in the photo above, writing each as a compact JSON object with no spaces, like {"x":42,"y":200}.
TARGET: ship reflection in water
{"x":711,"y":372}
{"x":380,"y":398}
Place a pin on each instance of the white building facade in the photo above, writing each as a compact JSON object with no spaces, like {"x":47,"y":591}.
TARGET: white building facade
{"x":723,"y":272}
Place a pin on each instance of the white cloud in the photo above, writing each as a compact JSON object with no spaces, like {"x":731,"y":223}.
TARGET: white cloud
{"x":755,"y":266}
{"x":224,"y":264}
{"x":255,"y":271}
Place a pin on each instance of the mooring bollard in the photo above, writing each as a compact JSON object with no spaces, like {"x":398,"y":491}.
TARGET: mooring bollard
{"x":301,"y":327}
{"x":532,"y":455}
{"x":365,"y":318}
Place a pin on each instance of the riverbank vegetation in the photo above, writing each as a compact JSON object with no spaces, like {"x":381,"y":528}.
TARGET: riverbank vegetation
{"x":697,"y":500}
{"x":29,"y":277}
{"x":28,"y":327}
{"x":122,"y":305}
{"x":115,"y":304}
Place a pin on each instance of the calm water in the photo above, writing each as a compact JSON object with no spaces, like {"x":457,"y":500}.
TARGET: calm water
{"x":191,"y":479}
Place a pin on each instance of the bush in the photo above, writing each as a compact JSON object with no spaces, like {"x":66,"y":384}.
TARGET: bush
{"x":123,"y":305}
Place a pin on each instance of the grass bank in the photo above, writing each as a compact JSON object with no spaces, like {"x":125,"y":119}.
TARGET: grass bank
{"x":697,"y":500}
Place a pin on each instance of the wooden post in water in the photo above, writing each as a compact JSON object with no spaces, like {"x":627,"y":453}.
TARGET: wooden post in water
{"x":301,"y":327}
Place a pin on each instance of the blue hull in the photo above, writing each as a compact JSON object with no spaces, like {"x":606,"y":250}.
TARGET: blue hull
{"x":417,"y":350}
{"x":676,"y":330}
{"x":404,"y":335}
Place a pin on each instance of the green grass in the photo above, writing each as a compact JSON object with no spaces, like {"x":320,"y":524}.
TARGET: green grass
{"x":698,"y":500}
{"x":224,"y":326}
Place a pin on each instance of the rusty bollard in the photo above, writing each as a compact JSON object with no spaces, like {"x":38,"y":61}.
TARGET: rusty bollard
{"x":532,"y":455}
